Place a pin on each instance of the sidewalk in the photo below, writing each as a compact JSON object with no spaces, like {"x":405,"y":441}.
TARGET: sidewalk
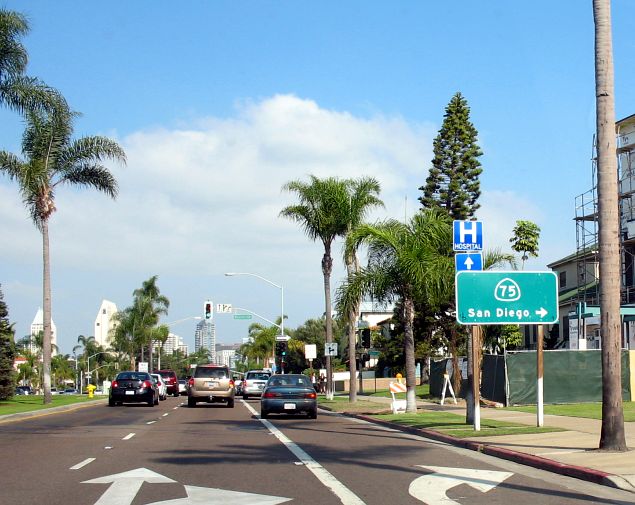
{"x":572,"y":452}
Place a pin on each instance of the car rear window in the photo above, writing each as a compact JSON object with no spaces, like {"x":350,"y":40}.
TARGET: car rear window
{"x":211,"y":372}
{"x":258,"y":376}
{"x":135,"y":376}
{"x":298,"y":382}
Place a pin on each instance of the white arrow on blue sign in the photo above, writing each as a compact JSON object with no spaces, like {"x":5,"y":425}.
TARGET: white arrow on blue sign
{"x":468,"y":261}
{"x":468,"y":236}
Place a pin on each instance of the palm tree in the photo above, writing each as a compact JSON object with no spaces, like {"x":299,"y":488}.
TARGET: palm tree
{"x":322,"y":211}
{"x":612,"y":436}
{"x":151,"y":304}
{"x":363,"y":196}
{"x":407,"y":262}
{"x":17,"y":91}
{"x":52,"y":159}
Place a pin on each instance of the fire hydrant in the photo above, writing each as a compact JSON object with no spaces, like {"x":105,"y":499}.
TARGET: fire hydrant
{"x":399,"y":378}
{"x":91,"y":390}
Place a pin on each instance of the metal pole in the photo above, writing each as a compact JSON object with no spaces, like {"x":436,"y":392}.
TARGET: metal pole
{"x":476,"y":376}
{"x":540,"y":375}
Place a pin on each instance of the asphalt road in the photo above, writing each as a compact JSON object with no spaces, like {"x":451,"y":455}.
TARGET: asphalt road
{"x":174,"y":455}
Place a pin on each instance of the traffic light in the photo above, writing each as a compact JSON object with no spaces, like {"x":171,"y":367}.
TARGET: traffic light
{"x":208,"y":310}
{"x":366,"y":338}
{"x":281,"y":348}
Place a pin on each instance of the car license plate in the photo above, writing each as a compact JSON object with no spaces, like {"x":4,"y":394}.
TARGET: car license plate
{"x":129,"y":392}
{"x":212,"y":384}
{"x":289,"y":406}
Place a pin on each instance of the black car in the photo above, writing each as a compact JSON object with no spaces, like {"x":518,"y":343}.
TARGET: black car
{"x":133,"y":387}
{"x":288,"y":394}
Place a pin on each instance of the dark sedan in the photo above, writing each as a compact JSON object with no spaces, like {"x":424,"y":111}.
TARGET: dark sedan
{"x":133,"y":387}
{"x":288,"y":394}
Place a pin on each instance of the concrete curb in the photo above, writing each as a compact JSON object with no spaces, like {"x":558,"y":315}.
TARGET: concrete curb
{"x":20,"y":416}
{"x":578,"y":472}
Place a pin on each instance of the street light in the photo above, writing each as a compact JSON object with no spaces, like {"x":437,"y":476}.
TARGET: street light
{"x":88,"y":362}
{"x":231,"y":274}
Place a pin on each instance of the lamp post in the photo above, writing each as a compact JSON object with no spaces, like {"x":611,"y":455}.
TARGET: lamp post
{"x":88,"y":362}
{"x":231,"y":274}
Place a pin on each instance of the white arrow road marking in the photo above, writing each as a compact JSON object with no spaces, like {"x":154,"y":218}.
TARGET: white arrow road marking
{"x":542,"y":312}
{"x":125,"y":486}
{"x":432,"y":488}
{"x":346,"y":496}
{"x":214,"y":496}
{"x":469,"y":262}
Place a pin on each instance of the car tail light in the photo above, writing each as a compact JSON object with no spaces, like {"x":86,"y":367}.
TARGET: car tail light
{"x":310,"y":395}
{"x":115,"y":384}
{"x":146,"y":384}
{"x":231,"y":383}
{"x":271,"y":394}
{"x":191,"y":381}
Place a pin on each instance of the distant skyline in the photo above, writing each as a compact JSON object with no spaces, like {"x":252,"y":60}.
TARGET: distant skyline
{"x":218,"y":104}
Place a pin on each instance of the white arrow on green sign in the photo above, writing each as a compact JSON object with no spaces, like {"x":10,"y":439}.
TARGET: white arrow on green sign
{"x":513,"y":297}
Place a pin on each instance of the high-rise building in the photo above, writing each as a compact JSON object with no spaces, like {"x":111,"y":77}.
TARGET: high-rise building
{"x":37,"y":326}
{"x":104,"y":323}
{"x":205,"y":336}
{"x":172,"y":343}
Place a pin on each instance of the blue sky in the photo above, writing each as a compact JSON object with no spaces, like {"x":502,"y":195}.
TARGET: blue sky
{"x":218,"y":104}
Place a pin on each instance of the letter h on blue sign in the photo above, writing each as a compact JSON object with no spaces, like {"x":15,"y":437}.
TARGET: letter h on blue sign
{"x":468,"y":236}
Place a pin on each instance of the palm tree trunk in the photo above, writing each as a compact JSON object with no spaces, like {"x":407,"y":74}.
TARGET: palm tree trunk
{"x":409,"y":352}
{"x":327,"y":267}
{"x":352,"y":266}
{"x":46,"y":342}
{"x":612,"y":435}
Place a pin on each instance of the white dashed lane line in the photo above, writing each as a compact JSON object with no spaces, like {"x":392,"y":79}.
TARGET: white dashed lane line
{"x":165,"y":414}
{"x":151,"y":422}
{"x":128,"y":436}
{"x":82,"y":464}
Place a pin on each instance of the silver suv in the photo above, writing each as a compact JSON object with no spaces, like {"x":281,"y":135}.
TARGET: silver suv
{"x":210,"y":383}
{"x":254,"y":383}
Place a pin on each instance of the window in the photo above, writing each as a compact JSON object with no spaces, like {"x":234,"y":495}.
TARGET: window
{"x":562,"y":278}
{"x":103,"y":311}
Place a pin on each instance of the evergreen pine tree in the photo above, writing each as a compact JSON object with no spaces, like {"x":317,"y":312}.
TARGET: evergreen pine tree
{"x":7,"y":353}
{"x":453,"y":182}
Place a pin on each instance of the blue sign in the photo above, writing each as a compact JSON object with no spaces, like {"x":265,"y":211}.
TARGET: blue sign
{"x":468,"y":236}
{"x":468,"y":261}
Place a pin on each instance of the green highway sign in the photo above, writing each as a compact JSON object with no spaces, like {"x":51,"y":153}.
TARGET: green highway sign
{"x":242,"y":316}
{"x":512,"y":297}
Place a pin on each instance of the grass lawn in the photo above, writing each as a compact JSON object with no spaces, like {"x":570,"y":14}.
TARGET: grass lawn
{"x":27,"y":403}
{"x":589,"y":410}
{"x":443,"y":422}
{"x":422,"y":392}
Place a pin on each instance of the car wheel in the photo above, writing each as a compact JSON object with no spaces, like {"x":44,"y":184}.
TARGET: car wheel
{"x":111,"y":402}
{"x":312,"y":414}
{"x":230,"y":403}
{"x":151,"y":402}
{"x":264,"y":414}
{"x":191,"y":402}
{"x":245,"y":397}
{"x":177,"y":394}
{"x":162,"y":397}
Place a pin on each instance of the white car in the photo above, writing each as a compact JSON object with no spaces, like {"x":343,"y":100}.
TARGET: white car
{"x":163,"y":388}
{"x":182,"y":387}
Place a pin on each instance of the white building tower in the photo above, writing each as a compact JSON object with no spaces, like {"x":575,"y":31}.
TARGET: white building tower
{"x":205,"y":336}
{"x":37,"y":326}
{"x":104,"y":323}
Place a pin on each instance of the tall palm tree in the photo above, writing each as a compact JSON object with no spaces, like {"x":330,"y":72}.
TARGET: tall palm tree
{"x":363,"y":195}
{"x":18,"y":91}
{"x":322,"y":211}
{"x":612,"y":435}
{"x":151,"y":304}
{"x":52,"y":159}
{"x":406,"y":261}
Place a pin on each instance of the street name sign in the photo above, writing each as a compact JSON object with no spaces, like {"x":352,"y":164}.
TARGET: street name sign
{"x":468,"y":236}
{"x":468,"y":261}
{"x":242,"y":316}
{"x":511,"y":297}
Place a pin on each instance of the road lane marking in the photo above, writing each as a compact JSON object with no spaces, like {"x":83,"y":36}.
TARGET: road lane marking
{"x":128,"y":436}
{"x":108,"y":447}
{"x":82,"y":464}
{"x":151,"y":422}
{"x":165,"y":414}
{"x":174,"y":408}
{"x":346,"y":496}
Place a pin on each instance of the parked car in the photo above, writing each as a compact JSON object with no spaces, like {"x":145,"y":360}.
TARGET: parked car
{"x":71,"y":391}
{"x":133,"y":387}
{"x":23,"y":390}
{"x":211,"y":383}
{"x":254,"y":383}
{"x":182,"y":387}
{"x":288,"y":394}
{"x":171,"y":381}
{"x":163,"y":389}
